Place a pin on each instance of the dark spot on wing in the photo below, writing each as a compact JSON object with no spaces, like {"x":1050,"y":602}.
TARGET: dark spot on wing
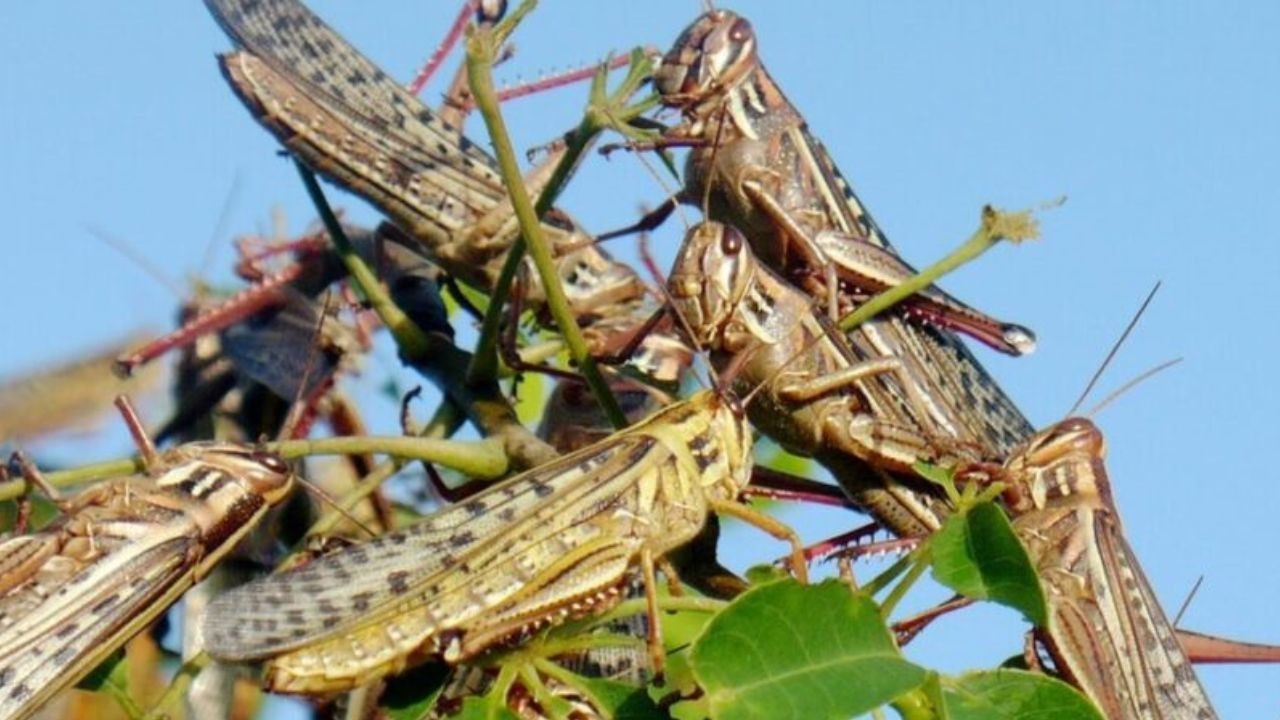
{"x":399,"y":582}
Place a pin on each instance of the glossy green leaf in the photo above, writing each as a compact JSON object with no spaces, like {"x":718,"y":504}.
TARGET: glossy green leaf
{"x":622,"y":701}
{"x":977,"y":554}
{"x":789,"y":650}
{"x":1014,"y":695}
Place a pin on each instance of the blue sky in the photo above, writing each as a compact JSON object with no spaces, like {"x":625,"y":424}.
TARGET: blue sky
{"x":1157,"y":125}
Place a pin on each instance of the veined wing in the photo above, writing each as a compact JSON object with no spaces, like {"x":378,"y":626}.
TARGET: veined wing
{"x":292,"y":39}
{"x":452,"y":182}
{"x":845,"y":211}
{"x":963,"y":399}
{"x":1111,"y":633}
{"x":77,"y":624}
{"x":419,"y":197}
{"x":515,"y":536}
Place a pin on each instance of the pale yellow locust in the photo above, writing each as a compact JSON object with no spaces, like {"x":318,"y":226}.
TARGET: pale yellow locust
{"x":553,"y":543}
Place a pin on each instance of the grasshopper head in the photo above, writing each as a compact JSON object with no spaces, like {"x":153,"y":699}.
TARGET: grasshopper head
{"x":1061,"y":463}
{"x":709,"y":58}
{"x":215,"y":468}
{"x":707,"y":281}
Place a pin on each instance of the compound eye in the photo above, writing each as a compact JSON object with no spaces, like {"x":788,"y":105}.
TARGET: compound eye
{"x":741,"y":31}
{"x":731,"y":242}
{"x":271,"y":461}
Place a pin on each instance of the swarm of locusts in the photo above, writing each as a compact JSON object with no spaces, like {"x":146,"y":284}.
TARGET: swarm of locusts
{"x":571,"y":570}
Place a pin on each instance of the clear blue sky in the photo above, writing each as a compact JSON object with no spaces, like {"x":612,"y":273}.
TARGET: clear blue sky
{"x":1159,"y":125}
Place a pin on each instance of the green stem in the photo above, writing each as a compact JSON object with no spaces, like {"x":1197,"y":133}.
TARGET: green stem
{"x":482,"y":46}
{"x":409,"y":337}
{"x":167,"y":705}
{"x":891,"y":573}
{"x":995,"y":226}
{"x":917,"y":569}
{"x":87,"y":473}
{"x":481,"y":459}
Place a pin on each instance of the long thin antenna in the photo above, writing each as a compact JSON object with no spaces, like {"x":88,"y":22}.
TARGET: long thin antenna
{"x":1114,"y":349}
{"x":1130,"y":385}
{"x":1177,"y":618}
{"x":137,"y":258}
{"x":220,"y":227}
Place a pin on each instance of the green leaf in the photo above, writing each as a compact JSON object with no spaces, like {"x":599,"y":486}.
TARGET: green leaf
{"x":1015,"y":695}
{"x":489,"y":707}
{"x":763,"y":574}
{"x":936,"y":474}
{"x":977,"y":554}
{"x":789,"y":650}
{"x":622,"y":701}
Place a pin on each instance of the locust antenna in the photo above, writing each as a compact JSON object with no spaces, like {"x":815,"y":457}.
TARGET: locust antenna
{"x":715,"y":149}
{"x":672,"y":195}
{"x":1177,"y":618}
{"x":146,"y":448}
{"x":1130,"y":385}
{"x":220,"y":226}
{"x":140,"y":260}
{"x":1115,"y":348}
{"x":302,"y":404}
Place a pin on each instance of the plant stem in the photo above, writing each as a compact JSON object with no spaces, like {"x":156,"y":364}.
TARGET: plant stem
{"x":994,"y":227}
{"x":409,"y":337}
{"x":86,"y":473}
{"x":480,"y":459}
{"x":433,"y":355}
{"x":168,"y":703}
{"x":482,"y":46}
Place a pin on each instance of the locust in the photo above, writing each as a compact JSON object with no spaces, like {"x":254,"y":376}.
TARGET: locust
{"x":123,"y":551}
{"x":1106,"y":631}
{"x":350,"y":122}
{"x":553,"y":543}
{"x":862,"y":404}
{"x":754,"y":164}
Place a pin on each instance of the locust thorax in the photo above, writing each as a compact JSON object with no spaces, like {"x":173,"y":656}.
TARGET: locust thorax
{"x":204,"y":470}
{"x":729,"y":425}
{"x":711,"y":56}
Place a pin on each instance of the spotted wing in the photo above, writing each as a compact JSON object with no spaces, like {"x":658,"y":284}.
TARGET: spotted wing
{"x":52,"y":639}
{"x":456,"y":563}
{"x":1135,"y":665}
{"x":292,"y":39}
